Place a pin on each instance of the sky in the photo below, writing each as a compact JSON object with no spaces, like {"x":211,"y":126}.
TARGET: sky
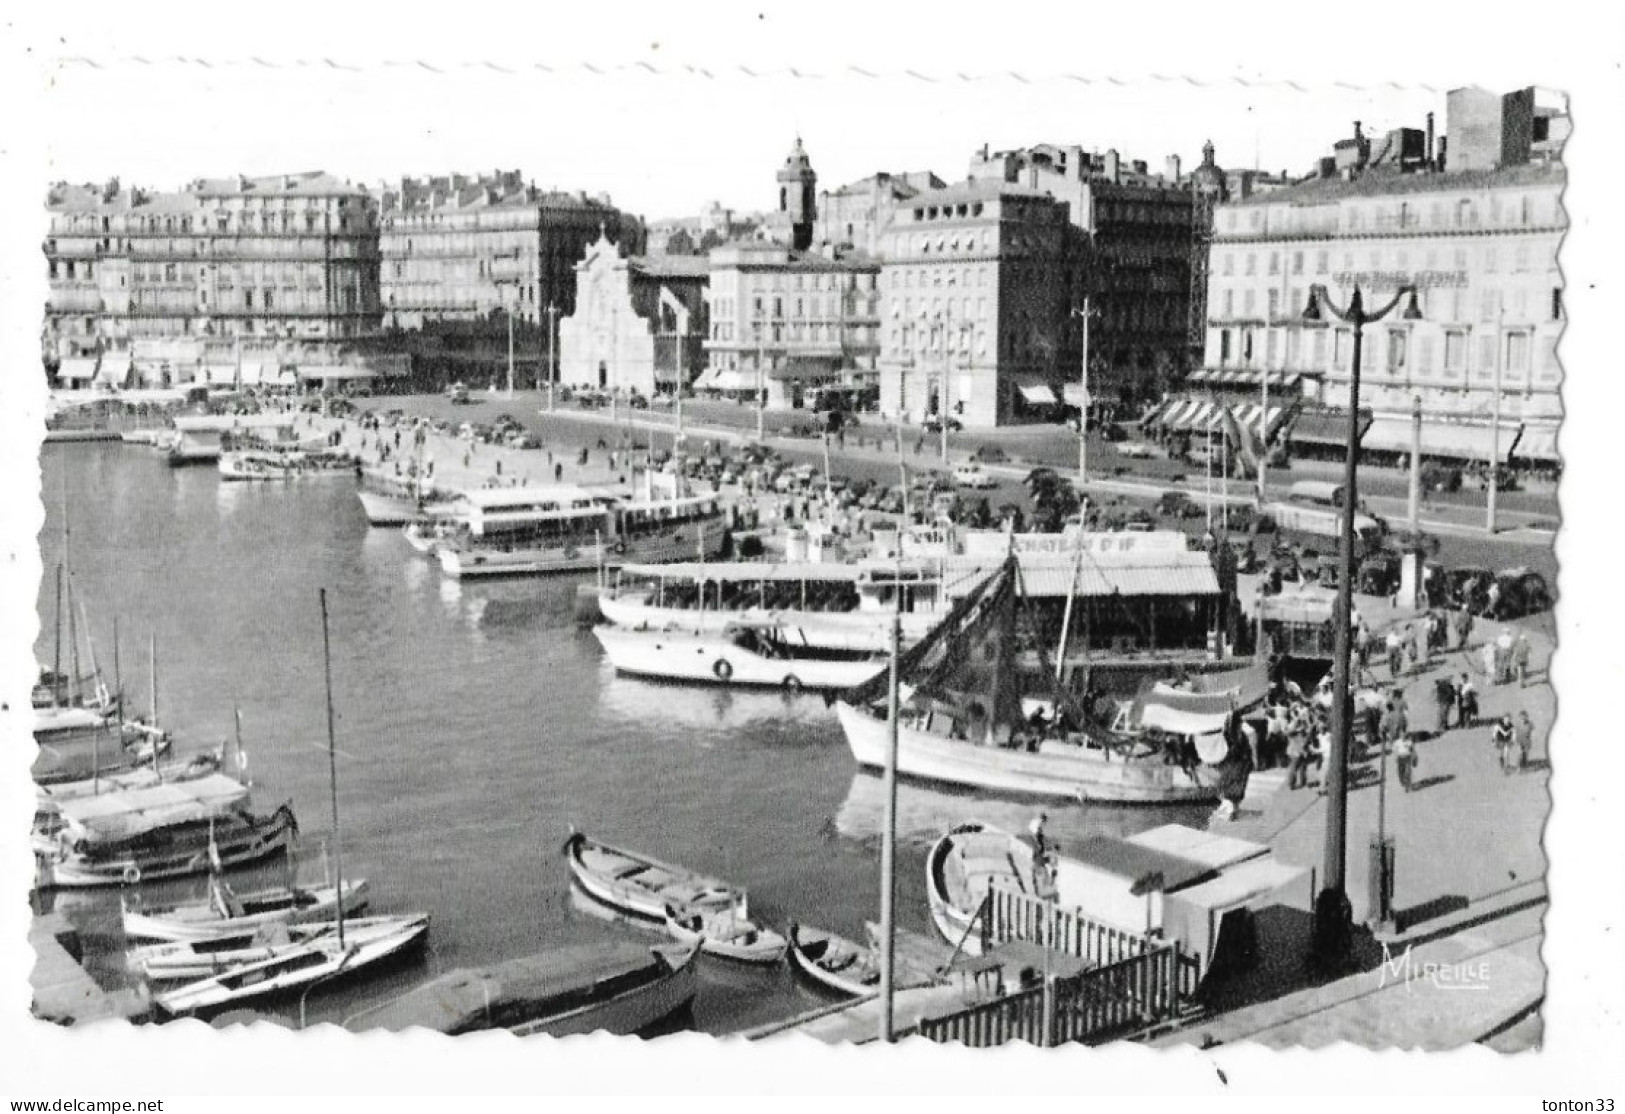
{"x":670,"y":118}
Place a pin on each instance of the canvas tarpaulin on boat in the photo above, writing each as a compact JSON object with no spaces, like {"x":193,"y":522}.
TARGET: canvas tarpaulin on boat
{"x":514,"y":992}
{"x":1184,"y":713}
{"x":124,"y":814}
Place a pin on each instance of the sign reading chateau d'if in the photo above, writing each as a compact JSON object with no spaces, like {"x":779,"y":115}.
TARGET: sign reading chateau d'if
{"x":1391,"y":280}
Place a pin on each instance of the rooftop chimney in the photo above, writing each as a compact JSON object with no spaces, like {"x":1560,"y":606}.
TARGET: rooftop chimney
{"x":1171,"y":168}
{"x":1112,"y":169}
{"x":1430,"y":163}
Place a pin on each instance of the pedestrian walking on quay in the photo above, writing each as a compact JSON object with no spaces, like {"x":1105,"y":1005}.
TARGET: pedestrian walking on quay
{"x":1503,"y":739}
{"x":1444,"y":696}
{"x":1502,"y":657}
{"x":1520,"y":659}
{"x":1362,"y":643}
{"x":558,"y":472}
{"x":1424,"y":640}
{"x":1396,"y":655}
{"x":1466,"y":702}
{"x":1405,"y":760}
{"x":1298,"y":756}
{"x":1523,"y":734}
{"x":1464,"y":626}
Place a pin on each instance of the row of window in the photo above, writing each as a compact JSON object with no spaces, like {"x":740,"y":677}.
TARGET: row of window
{"x":797,"y":332}
{"x":1498,"y":210}
{"x":1443,"y":303}
{"x":1389,"y":351}
{"x":1518,"y":258}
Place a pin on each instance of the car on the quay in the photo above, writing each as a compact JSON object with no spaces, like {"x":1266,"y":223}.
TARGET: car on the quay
{"x":974,"y":476}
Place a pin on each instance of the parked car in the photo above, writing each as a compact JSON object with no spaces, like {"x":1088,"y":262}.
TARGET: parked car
{"x":933,"y":424}
{"x":1140,"y":450}
{"x":974,"y":476}
{"x":989,"y":454}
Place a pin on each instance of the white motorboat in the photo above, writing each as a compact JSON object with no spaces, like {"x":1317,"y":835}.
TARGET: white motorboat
{"x":739,"y":654}
{"x":553,"y":528}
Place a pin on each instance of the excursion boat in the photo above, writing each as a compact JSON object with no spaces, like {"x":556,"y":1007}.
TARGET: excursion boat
{"x":552,"y":528}
{"x":642,"y":886}
{"x":162,"y":831}
{"x":78,"y":743}
{"x":833,"y":962}
{"x":225,"y":912}
{"x":725,"y":933}
{"x":619,"y":988}
{"x":263,"y":465}
{"x":318,"y":960}
{"x":960,"y":869}
{"x":838,"y":606}
{"x":390,"y":499}
{"x":48,"y":798}
{"x":963,"y":721}
{"x":186,"y":960}
{"x":739,"y":654}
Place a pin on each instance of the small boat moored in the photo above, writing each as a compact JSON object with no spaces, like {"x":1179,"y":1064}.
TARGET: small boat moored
{"x":742,"y":653}
{"x":620,"y":988}
{"x":200,"y":959}
{"x":960,"y":869}
{"x":637,"y":884}
{"x":725,"y":933}
{"x":226,"y":912}
{"x":833,"y":962}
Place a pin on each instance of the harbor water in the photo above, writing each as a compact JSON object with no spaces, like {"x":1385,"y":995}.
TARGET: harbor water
{"x":476,"y":724}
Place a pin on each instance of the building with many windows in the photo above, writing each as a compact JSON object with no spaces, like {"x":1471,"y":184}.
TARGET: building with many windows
{"x":977,"y":284}
{"x":1480,"y":244}
{"x":855,"y":216}
{"x":227,"y":278}
{"x":783,"y":322}
{"x":459,"y":251}
{"x":639,"y":324}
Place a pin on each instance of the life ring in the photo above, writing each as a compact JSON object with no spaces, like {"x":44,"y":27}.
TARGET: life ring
{"x":723,"y":669}
{"x":619,"y":547}
{"x":132,"y":875}
{"x":792,"y":684}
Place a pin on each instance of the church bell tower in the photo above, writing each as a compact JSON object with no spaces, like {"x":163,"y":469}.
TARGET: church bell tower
{"x":798,"y":196}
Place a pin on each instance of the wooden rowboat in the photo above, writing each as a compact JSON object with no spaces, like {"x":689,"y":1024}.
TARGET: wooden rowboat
{"x":833,"y":962}
{"x":619,"y":988}
{"x":643,"y":886}
{"x":960,"y":868}
{"x":725,"y":934}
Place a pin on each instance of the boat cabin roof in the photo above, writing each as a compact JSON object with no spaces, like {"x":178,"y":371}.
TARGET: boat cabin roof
{"x":753,"y":572}
{"x":557,"y":497}
{"x":124,"y":813}
{"x":461,"y":998}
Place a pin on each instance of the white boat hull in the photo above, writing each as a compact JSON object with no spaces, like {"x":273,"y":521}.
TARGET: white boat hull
{"x":265,"y":837}
{"x":1059,"y":770}
{"x":203,"y":922}
{"x":190,"y":960}
{"x":286,"y":973}
{"x":714,"y":659}
{"x":868,"y":631}
{"x":384,"y":509}
{"x":465,"y":561}
{"x":646,"y":901}
{"x":728,"y":937}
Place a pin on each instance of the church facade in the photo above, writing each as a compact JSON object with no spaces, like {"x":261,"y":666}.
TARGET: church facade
{"x":639,"y":324}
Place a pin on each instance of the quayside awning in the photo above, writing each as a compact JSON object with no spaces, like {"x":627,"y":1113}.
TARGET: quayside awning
{"x":1539,"y":443}
{"x":1460,"y":441}
{"x":1326,"y":427}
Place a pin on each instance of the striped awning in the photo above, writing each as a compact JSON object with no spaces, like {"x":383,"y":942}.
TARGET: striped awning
{"x":1243,"y":377}
{"x":1250,"y":416}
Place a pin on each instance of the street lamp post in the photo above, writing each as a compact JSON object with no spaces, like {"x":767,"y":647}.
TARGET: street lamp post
{"x":1332,"y":934}
{"x":761,"y":389}
{"x":1083,"y":403}
{"x":552,"y":366}
{"x":1495,"y":427}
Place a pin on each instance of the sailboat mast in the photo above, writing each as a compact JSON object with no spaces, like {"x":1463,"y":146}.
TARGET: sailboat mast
{"x":90,"y":647}
{"x":332,"y":766}
{"x":888,"y":846}
{"x":1066,"y":615}
{"x":57,"y":692}
{"x":152,"y":677}
{"x":118,"y":675}
{"x":73,"y":647}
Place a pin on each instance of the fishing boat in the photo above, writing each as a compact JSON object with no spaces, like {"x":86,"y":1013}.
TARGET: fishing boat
{"x":834,"y":605}
{"x":225,"y":912}
{"x":960,"y":869}
{"x":554,"y":528}
{"x":272,"y":465}
{"x":620,"y":988}
{"x":319,"y":960}
{"x":637,"y":884}
{"x":833,"y":962}
{"x":740,"y":653}
{"x":186,"y":960}
{"x":962,"y":720}
{"x":49,"y":797}
{"x":169,"y":830}
{"x":725,"y":933}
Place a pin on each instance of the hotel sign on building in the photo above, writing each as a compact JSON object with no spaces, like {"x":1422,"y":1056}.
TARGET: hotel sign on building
{"x":1479,"y":244}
